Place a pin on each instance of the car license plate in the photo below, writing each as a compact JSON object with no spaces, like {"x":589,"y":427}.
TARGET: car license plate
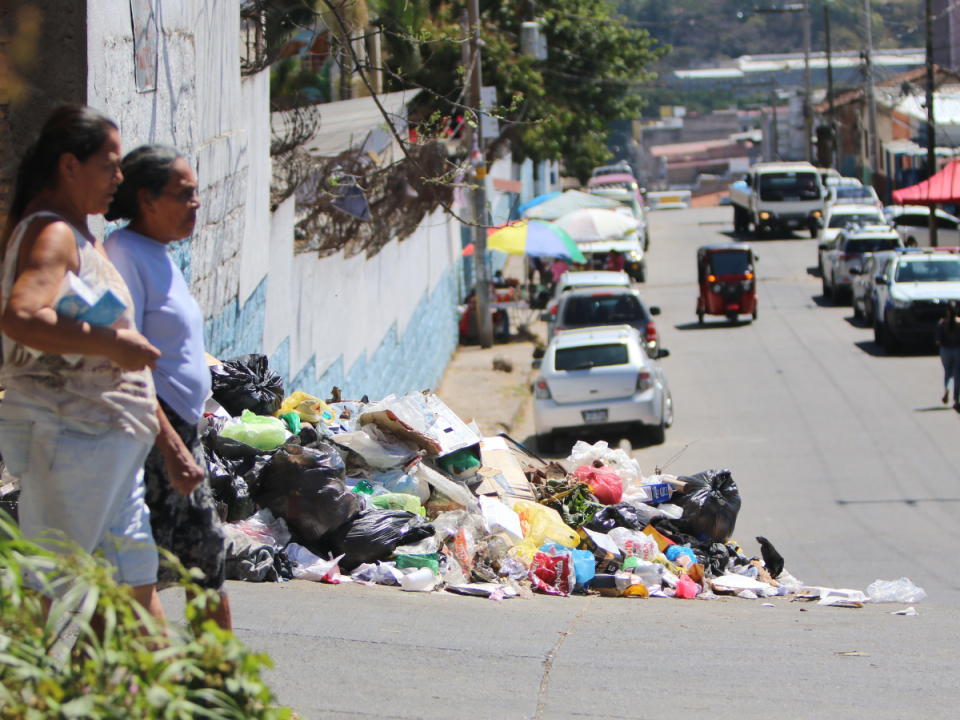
{"x":793,"y":223}
{"x":669,"y":199}
{"x":594,"y":416}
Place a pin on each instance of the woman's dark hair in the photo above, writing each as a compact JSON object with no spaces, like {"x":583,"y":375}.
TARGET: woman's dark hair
{"x":148,"y":167}
{"x":74,"y":129}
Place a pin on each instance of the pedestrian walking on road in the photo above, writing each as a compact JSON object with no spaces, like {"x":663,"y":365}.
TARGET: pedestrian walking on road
{"x":75,"y":430}
{"x":159,"y":198}
{"x":948,"y":338}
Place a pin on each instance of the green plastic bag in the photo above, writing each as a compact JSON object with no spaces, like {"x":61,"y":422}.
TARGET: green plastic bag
{"x":431,"y":561}
{"x":399,"y":501}
{"x":263,"y":433}
{"x":293,"y":421}
{"x":363,"y":488}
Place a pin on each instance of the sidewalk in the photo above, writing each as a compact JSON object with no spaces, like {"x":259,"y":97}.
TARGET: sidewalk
{"x":496,"y":400}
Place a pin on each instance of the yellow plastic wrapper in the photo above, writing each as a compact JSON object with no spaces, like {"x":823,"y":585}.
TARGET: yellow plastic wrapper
{"x":308,"y":407}
{"x":541,"y":524}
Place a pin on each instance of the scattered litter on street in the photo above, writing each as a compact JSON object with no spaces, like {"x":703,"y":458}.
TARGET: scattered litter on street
{"x":909,"y":612}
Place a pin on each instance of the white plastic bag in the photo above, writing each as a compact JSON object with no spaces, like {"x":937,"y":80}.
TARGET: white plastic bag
{"x":378,"y":449}
{"x":456,"y":492}
{"x":901,"y":591}
{"x":263,"y":527}
{"x":634,"y":544}
{"x":307,"y":566}
{"x":626,"y":466}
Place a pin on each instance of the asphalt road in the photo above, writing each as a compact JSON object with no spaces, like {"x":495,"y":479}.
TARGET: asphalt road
{"x":844,"y":461}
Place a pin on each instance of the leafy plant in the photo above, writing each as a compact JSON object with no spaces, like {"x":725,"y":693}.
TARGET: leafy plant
{"x":131,"y":668}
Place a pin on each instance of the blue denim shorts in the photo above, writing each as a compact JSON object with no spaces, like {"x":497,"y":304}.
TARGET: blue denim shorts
{"x":79,"y":482}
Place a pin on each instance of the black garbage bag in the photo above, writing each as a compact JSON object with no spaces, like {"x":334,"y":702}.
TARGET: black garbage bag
{"x":305,"y":486}
{"x":234,"y":469}
{"x":249,"y":560}
{"x":247,"y":383}
{"x":710,"y":502}
{"x":374,"y":535}
{"x":713,"y":556}
{"x":614,"y":516}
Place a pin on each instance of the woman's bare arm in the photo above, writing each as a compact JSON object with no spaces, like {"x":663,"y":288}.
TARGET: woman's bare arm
{"x":29,"y":319}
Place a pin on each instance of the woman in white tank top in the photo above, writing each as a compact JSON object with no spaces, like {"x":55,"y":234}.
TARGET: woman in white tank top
{"x":75,"y":429}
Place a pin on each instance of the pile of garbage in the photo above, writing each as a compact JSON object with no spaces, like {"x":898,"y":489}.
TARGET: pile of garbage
{"x":403,"y":492}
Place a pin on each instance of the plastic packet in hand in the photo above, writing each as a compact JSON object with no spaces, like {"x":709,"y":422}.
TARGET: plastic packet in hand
{"x":78,"y":301}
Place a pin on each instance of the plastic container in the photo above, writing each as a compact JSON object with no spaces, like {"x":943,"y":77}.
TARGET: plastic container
{"x":418,"y":580}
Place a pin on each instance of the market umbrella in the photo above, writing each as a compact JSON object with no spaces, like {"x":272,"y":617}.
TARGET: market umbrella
{"x":941,"y":189}
{"x":536,"y":239}
{"x":567,"y":203}
{"x":537,"y":200}
{"x":591,"y":225}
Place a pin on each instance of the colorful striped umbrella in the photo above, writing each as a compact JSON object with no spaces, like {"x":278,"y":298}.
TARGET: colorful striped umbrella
{"x":536,"y":239}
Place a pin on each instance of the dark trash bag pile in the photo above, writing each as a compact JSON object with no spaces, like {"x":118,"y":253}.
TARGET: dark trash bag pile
{"x":402,"y":492}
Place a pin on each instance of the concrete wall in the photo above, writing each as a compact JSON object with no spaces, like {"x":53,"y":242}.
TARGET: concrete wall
{"x":372,"y":326}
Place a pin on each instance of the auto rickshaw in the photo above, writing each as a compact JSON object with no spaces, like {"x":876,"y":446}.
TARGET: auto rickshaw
{"x":728,"y":285}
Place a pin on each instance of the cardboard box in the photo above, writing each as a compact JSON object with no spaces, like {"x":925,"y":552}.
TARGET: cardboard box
{"x":501,"y":472}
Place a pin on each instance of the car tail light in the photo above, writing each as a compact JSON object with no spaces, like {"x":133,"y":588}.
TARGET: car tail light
{"x":650,"y":334}
{"x":542,"y":390}
{"x":644,"y":381}
{"x":602,"y":294}
{"x":553,"y":310}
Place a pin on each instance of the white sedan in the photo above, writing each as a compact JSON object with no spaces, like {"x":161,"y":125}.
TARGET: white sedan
{"x":600,"y":379}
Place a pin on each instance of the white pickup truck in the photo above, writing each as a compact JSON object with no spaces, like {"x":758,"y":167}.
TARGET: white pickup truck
{"x":778,"y":196}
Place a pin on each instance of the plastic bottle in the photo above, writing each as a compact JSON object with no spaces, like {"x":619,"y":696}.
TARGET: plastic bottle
{"x":421,"y":579}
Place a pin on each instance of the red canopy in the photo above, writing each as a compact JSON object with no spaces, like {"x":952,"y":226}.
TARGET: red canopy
{"x":942,"y":188}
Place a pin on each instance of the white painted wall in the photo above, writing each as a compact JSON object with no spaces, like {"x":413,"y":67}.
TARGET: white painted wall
{"x":328,"y":307}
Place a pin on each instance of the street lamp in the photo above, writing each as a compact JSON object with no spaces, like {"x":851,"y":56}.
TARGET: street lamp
{"x":807,"y":109}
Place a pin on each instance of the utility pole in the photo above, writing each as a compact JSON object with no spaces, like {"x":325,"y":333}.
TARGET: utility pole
{"x":833,"y":112}
{"x":871,"y":96}
{"x":931,"y":129}
{"x":775,"y":154}
{"x":807,"y":104}
{"x":481,"y":272}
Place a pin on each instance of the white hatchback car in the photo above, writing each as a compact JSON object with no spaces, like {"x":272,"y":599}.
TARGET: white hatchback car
{"x":600,"y":379}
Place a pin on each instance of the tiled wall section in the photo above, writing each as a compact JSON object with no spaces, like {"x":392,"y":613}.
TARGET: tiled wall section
{"x":415,"y":361}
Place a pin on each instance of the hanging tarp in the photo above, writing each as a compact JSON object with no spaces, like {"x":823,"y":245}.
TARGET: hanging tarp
{"x":942,"y":189}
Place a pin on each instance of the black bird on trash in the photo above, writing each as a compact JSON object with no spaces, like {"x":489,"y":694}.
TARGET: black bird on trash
{"x":771,"y":558}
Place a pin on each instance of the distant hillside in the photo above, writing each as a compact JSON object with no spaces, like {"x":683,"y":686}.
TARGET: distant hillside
{"x":705,"y":31}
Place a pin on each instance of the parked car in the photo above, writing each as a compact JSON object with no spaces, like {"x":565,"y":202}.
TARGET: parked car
{"x":572,"y":280}
{"x":912,"y":292}
{"x":840,"y":216}
{"x":601,"y":379}
{"x":846,"y":253}
{"x":852,"y":194}
{"x":865,"y":285}
{"x":618,"y":169}
{"x":601,"y":306}
{"x":913,"y":224}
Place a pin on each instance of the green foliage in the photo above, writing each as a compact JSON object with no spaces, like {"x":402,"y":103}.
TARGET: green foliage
{"x":129,"y":670}
{"x":563,"y":106}
{"x":290,"y":83}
